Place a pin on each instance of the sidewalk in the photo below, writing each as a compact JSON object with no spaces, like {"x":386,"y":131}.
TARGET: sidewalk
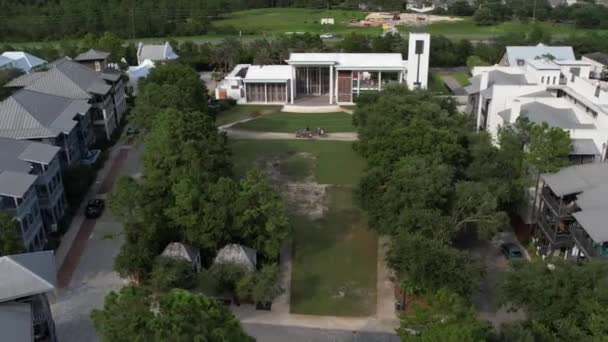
{"x":73,"y":243}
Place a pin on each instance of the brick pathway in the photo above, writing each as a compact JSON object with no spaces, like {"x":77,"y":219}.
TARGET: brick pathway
{"x":64,"y":275}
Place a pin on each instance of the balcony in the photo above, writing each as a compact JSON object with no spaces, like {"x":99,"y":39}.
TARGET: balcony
{"x":589,"y":247}
{"x":559,"y":206}
{"x":557,"y":239}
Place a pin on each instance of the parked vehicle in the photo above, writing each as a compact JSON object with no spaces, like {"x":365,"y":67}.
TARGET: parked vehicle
{"x":94,"y":208}
{"x":326,"y":36}
{"x":511,"y":251}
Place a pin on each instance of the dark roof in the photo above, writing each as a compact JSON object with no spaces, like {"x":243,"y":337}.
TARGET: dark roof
{"x":599,"y":57}
{"x":555,"y":117}
{"x":92,"y":55}
{"x":27,"y":274}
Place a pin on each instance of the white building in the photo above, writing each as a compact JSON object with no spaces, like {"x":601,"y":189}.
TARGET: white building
{"x":157,"y":53}
{"x":332,"y":78}
{"x":554,"y":90}
{"x":598,"y":62}
{"x":20,"y":60}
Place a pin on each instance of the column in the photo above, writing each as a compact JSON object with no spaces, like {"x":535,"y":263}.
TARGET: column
{"x":307,"y":80}
{"x":331,"y":84}
{"x":266,"y":92}
{"x":292,"y":90}
{"x":400,"y":77}
{"x":379,"y":80}
{"x":286,"y":92}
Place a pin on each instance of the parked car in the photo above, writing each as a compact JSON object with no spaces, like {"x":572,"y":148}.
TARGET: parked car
{"x":326,"y":36}
{"x":94,"y":208}
{"x":511,"y":251}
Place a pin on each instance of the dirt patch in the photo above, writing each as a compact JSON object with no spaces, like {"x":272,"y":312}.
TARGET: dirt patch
{"x":383,"y":18}
{"x":305,"y":196}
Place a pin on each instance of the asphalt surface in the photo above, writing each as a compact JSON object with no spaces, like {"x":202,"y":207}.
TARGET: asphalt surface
{"x":277,"y":333}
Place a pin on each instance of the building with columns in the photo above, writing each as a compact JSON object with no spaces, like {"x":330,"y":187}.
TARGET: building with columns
{"x":331,"y":78}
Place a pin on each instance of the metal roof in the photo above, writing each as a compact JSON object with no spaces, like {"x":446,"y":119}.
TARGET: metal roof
{"x":584,"y":147}
{"x":156,"y":52}
{"x":25,"y":80}
{"x":542,"y":64}
{"x":594,"y":223}
{"x":29,"y":114}
{"x":16,"y":322}
{"x":92,"y":55}
{"x":575,"y":179}
{"x":16,"y":155}
{"x":27,"y":274}
{"x":15,"y":184}
{"x":555,"y":117}
{"x":525,"y":53}
{"x":24,"y":60}
{"x":496,"y":77}
{"x":349,"y":60}
{"x":5,"y":61}
{"x":260,"y":73}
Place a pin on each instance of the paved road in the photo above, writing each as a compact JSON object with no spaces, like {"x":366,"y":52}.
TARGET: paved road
{"x":92,"y":278}
{"x":277,"y":333}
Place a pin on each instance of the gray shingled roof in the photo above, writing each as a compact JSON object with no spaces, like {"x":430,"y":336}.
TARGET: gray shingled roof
{"x":575,"y":179}
{"x":235,"y":253}
{"x":156,"y":52}
{"x":92,"y":55}
{"x":555,"y":117}
{"x":15,"y":155}
{"x":27,"y":274}
{"x":29,"y":114}
{"x":180,"y":250}
{"x":25,"y":80}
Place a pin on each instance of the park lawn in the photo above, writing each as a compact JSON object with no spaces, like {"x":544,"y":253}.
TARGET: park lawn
{"x":290,"y":122}
{"x":436,"y":84}
{"x":336,"y":162}
{"x":279,"y":21}
{"x":240,"y":112}
{"x":334,"y":265}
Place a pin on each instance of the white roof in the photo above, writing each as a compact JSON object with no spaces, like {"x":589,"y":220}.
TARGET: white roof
{"x":23,"y":60}
{"x":542,"y":64}
{"x":538,"y":51}
{"x":350,"y":60}
{"x":156,"y":52}
{"x":27,"y":274}
{"x":235,"y":253}
{"x":142,"y":70}
{"x":261,"y":73}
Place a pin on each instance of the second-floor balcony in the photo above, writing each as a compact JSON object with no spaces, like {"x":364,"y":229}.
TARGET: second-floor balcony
{"x":586,"y":243}
{"x":557,"y":234}
{"x":559,"y":205}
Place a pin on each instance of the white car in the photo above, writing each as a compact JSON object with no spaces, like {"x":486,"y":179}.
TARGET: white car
{"x":326,"y":36}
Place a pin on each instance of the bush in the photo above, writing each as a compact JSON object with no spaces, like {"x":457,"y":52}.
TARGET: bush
{"x":260,"y":287}
{"x":169,"y":273}
{"x":227,"y":275}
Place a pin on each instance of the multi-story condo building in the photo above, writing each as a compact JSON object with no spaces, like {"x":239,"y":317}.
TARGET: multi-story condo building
{"x":56,"y":120}
{"x":571,"y":213}
{"x":31,"y":188}
{"x":104,"y":90}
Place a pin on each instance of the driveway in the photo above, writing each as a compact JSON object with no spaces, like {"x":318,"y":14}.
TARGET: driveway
{"x":91,"y":277}
{"x":485,"y":300}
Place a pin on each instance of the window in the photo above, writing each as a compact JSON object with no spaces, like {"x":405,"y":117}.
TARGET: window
{"x":520,"y":62}
{"x":369,"y":80}
{"x":97,"y":66}
{"x":554,"y":80}
{"x":542,"y":79}
{"x":597,"y":91}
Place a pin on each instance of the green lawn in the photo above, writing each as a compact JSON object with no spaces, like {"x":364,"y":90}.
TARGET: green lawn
{"x":290,"y":122}
{"x":335,"y":256}
{"x":241,"y":112}
{"x":279,"y":21}
{"x":332,"y":157}
{"x":461,"y":77}
{"x":436,"y":84}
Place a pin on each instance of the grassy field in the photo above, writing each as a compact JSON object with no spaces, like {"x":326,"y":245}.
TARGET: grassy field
{"x":335,"y":256}
{"x":332,"y":157}
{"x":279,"y":21}
{"x":241,"y":112}
{"x":290,"y":122}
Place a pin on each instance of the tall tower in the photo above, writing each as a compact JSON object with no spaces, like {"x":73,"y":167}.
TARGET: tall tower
{"x":418,"y":60}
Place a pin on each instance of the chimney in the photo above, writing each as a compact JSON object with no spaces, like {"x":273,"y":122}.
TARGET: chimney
{"x":515,"y":110}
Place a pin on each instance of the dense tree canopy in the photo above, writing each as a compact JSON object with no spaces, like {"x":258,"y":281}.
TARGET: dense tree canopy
{"x":129,"y":315}
{"x":10,"y":243}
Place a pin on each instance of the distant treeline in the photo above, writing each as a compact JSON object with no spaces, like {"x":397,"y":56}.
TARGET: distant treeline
{"x":35,"y":20}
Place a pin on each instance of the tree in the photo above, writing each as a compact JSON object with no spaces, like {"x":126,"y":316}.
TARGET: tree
{"x":484,"y":16}
{"x":125,"y":316}
{"x":473,"y":61}
{"x":135,"y":258}
{"x":227,"y":275}
{"x":354,"y":43}
{"x":548,"y":149}
{"x":185,"y":316}
{"x":568,"y":302}
{"x":260,"y":287}
{"x":125,"y":200}
{"x":261,"y":220}
{"x":9,"y":240}
{"x":429,"y":264}
{"x":461,"y":8}
{"x":446,"y":317}
{"x":168,"y":273}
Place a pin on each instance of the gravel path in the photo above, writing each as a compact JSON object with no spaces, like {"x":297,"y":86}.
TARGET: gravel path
{"x":242,"y":134}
